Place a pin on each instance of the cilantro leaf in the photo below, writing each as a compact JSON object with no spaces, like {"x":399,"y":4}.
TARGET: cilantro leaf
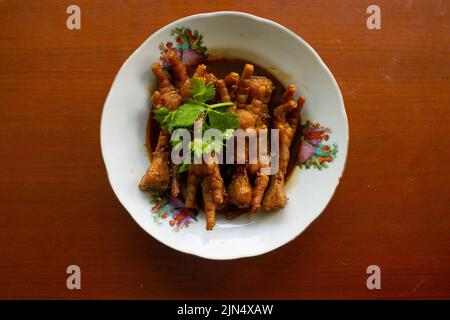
{"x":186,"y":115}
{"x":201,"y":92}
{"x":160,"y":114}
{"x":197,"y":146}
{"x":210,"y":92}
{"x":175,"y":141}
{"x":227,"y":134}
{"x":197,"y":85}
{"x":213,"y":144}
{"x":168,"y":122}
{"x":183,"y":168}
{"x":222,"y":120}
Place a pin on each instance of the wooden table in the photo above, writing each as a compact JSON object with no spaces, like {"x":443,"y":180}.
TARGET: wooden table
{"x":391,"y":208}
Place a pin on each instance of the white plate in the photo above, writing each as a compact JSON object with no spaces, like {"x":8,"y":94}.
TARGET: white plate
{"x":240,"y":35}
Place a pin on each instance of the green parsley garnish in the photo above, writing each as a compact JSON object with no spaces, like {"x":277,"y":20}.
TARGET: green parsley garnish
{"x":183,"y":168}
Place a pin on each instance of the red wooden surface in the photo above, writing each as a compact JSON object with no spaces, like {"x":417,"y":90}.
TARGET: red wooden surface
{"x":391,"y":208}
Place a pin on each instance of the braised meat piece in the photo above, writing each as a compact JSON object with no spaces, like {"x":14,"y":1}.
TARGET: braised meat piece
{"x":286,"y":119}
{"x":158,"y":175}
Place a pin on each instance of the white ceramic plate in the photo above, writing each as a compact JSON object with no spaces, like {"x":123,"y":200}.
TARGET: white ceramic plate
{"x":239,"y":35}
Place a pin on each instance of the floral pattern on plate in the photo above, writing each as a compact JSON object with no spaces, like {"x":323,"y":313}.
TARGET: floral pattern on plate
{"x":313,"y":151}
{"x":188,"y":46}
{"x":172,"y":209}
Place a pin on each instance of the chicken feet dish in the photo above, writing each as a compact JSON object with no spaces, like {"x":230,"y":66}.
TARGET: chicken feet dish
{"x":215,"y":95}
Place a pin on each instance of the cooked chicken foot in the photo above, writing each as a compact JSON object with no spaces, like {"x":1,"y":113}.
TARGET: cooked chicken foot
{"x":157,"y":177}
{"x":240,"y":189}
{"x":208,"y":175}
{"x":209,"y":204}
{"x":244,"y":86}
{"x":175,"y":184}
{"x":287,"y":117}
{"x":178,"y":69}
{"x":251,"y":116}
{"x":258,"y":108}
{"x":232,"y":82}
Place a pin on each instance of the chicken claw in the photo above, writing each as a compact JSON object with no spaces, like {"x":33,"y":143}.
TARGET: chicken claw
{"x":244,"y":86}
{"x":157,"y":177}
{"x":209,"y":204}
{"x":178,"y":69}
{"x":287,"y":117}
{"x":240,"y":189}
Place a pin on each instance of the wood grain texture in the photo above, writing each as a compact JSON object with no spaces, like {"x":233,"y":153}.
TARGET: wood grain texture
{"x":392,"y":207}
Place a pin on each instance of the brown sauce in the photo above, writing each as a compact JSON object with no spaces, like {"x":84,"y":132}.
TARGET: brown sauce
{"x":221,"y":67}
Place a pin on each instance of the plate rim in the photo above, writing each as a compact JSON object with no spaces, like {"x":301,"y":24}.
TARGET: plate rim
{"x":258,"y":19}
